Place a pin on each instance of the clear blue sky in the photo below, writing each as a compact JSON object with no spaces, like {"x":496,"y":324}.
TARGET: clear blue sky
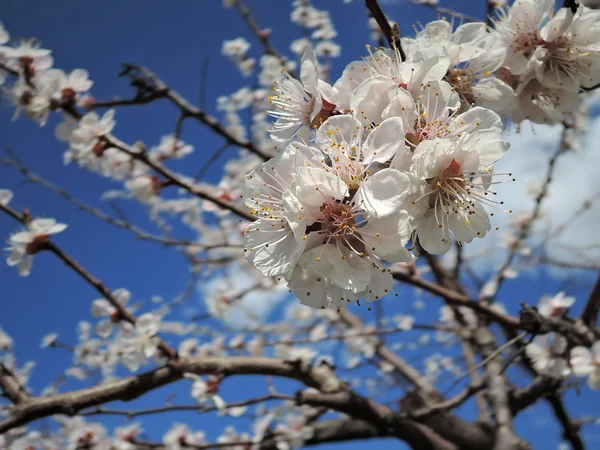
{"x":171,"y":38}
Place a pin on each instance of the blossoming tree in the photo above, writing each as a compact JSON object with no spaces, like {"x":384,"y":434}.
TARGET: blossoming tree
{"x":352,"y":201}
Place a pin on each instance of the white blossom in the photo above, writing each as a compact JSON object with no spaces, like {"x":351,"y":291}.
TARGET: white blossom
{"x":555,"y":306}
{"x":5,"y":197}
{"x":301,"y":105}
{"x":586,"y":363}
{"x":102,"y":307}
{"x":547,"y":353}
{"x":22,"y":246}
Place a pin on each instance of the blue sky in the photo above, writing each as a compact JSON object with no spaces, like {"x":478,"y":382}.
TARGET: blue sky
{"x":173,"y":39}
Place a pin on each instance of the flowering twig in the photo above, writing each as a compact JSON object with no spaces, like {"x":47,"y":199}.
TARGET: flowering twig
{"x":196,"y":407}
{"x":140,"y":234}
{"x":123,"y":313}
{"x":154,"y":88}
{"x":261,"y":33}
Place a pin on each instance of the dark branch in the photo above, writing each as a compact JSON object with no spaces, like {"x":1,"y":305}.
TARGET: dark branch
{"x":392,"y":35}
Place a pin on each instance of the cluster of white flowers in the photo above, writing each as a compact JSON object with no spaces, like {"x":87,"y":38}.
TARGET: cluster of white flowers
{"x":236,"y":50}
{"x":23,"y":245}
{"x":393,"y":157}
{"x":549,"y":58}
{"x":39,"y":88}
{"x":403,"y":151}
{"x":550,"y":354}
{"x":323,"y":30}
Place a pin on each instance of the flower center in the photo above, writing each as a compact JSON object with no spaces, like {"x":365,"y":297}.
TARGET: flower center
{"x":526,"y":43}
{"x":562,"y":56}
{"x":462,"y":80}
{"x":425,"y":130}
{"x":39,"y":243}
{"x":454,"y":192}
{"x":338,"y":219}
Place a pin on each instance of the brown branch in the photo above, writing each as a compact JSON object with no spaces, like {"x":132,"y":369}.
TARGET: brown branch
{"x":454,"y":298}
{"x":592,"y":306}
{"x":175,"y":180}
{"x":323,"y":432}
{"x":451,"y":403}
{"x":158,"y":89}
{"x":11,"y":388}
{"x":541,"y":386}
{"x":123,"y":313}
{"x":171,"y":408}
{"x":402,"y":367}
{"x":127,"y":389}
{"x":140,"y":234}
{"x":392,"y":37}
{"x":570,"y":429}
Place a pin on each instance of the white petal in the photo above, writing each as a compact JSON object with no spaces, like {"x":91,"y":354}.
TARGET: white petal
{"x":385,"y":141}
{"x":434,"y":239}
{"x":383,"y":193}
{"x":489,"y":144}
{"x":5,"y":196}
{"x":104,"y":328}
{"x":381,"y":285}
{"x":101,"y":307}
{"x":344,"y":128}
{"x":309,"y":73}
{"x":387,"y":237}
{"x":147,"y":324}
{"x":57,"y":228}
{"x":582,"y":362}
{"x":316,"y":186}
{"x":39,"y":226}
{"x":438,"y":97}
{"x":24,"y":266}
{"x":272,"y":250}
{"x":371,"y":98}
{"x":122,"y":296}
{"x":23,"y":237}
{"x":16,"y":255}
{"x":467,"y":227}
{"x":309,"y":285}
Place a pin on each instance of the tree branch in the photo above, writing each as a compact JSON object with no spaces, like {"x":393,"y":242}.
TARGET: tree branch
{"x":392,"y":37}
{"x":11,"y":388}
{"x":127,"y":389}
{"x":590,"y":312}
